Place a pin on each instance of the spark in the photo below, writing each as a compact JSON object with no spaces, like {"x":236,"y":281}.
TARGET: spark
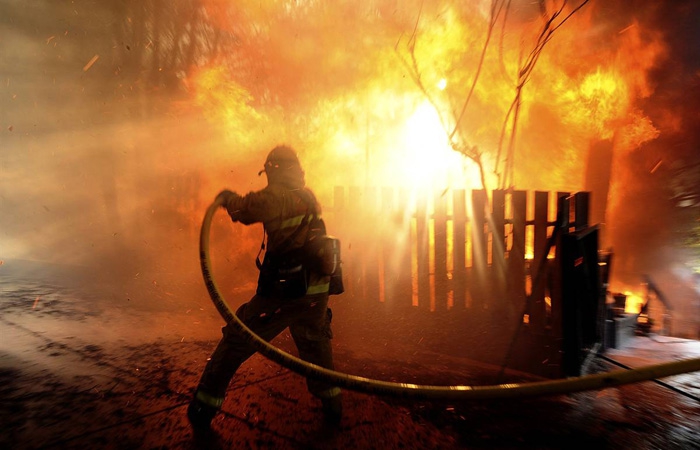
{"x":627,"y":28}
{"x":50,"y":39}
{"x":90,"y":63}
{"x":656,"y":166}
{"x":36,"y":302}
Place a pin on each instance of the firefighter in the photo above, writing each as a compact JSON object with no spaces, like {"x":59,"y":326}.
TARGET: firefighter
{"x":288,"y":294}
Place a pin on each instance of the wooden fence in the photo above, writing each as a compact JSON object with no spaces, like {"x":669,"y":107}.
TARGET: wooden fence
{"x":456,"y":250}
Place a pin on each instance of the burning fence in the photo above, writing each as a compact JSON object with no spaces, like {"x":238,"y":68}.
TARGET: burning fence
{"x":186,"y":97}
{"x":485,"y":260}
{"x":389,"y":108}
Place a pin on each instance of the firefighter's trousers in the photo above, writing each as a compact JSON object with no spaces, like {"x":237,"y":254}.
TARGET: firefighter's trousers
{"x":309,"y":321}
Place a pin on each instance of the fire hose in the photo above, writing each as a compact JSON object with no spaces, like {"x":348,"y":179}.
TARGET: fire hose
{"x":416,"y":391}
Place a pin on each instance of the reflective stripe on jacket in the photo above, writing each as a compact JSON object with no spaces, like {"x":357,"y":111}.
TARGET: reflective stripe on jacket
{"x":281,"y":211}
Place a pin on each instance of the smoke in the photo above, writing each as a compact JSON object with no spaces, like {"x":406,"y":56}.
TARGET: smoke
{"x":645,"y":221}
{"x":109,"y":183}
{"x":104,"y":169}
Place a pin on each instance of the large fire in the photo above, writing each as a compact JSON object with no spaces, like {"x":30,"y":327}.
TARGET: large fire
{"x":379,"y":125}
{"x":383,"y":107}
{"x":422,"y":95}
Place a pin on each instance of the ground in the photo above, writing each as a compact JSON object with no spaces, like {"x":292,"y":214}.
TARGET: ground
{"x":79,"y":370}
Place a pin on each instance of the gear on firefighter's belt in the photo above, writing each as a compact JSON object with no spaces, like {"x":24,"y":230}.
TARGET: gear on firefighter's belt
{"x":300,"y":268}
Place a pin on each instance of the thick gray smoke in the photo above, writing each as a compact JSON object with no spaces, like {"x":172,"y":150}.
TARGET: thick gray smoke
{"x":99,"y":169}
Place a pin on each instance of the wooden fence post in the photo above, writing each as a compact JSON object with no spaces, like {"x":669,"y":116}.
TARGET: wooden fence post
{"x":556,"y":288}
{"x":479,"y":251}
{"x":498,"y":250}
{"x":440,"y":238}
{"x":516,"y":254}
{"x":404,"y":263}
{"x":422,"y":249}
{"x":459,"y":227}
{"x":538,"y":270}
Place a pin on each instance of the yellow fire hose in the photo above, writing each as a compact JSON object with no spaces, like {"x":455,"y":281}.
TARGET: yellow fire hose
{"x":424,"y":392}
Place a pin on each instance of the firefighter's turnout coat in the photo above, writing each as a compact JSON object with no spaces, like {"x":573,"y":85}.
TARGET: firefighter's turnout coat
{"x":284,"y":207}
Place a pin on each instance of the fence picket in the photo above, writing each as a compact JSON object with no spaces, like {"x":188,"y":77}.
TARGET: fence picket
{"x":479,"y":269}
{"x":470,"y":258}
{"x":458,"y":253}
{"x":516,"y":254}
{"x":440,"y":251}
{"x":459,"y":227}
{"x":537,"y":307}
{"x":498,"y":249}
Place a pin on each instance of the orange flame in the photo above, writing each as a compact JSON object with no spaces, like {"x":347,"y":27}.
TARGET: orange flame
{"x":378,"y":125}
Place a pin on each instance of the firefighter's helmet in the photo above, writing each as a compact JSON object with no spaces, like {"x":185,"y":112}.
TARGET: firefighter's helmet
{"x":282,"y":166}
{"x":281,"y":158}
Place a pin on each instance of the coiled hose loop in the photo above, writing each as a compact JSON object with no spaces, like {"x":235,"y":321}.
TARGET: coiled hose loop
{"x":415,"y":391}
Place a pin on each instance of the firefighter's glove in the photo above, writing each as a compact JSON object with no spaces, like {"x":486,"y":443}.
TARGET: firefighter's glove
{"x":225,"y":197}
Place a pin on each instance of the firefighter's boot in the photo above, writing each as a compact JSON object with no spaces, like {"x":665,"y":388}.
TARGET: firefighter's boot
{"x":200,"y":415}
{"x":332,"y":408}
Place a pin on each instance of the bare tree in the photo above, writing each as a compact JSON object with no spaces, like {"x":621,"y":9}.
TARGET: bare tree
{"x":412,"y":66}
{"x":551,"y":22}
{"x":552,"y":19}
